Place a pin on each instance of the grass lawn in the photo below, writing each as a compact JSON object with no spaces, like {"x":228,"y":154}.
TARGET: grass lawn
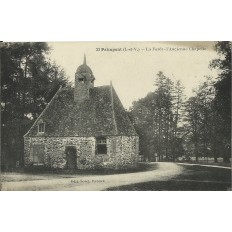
{"x":194,"y":178}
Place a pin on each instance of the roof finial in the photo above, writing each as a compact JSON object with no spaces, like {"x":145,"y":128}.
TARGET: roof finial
{"x":84,"y":59}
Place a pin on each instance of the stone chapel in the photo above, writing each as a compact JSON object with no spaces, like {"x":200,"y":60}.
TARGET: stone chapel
{"x":84,"y":127}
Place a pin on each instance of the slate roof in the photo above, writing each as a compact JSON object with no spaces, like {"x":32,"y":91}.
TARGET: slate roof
{"x":96,"y":116}
{"x":84,"y":69}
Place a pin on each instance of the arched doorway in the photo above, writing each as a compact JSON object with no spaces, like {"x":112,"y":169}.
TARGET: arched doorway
{"x":71,"y":156}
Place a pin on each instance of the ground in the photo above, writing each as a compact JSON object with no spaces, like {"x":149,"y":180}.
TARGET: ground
{"x":159,"y":176}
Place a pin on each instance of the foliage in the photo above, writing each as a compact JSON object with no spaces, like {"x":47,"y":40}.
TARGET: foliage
{"x":28,"y":82}
{"x":156,"y":119}
{"x":201,"y":126}
{"x":222,"y":101}
{"x":200,"y":120}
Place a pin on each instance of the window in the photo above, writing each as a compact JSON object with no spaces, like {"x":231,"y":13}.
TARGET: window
{"x":81,"y":79}
{"x":38,"y":154}
{"x":41,"y":128}
{"x":101,"y":146}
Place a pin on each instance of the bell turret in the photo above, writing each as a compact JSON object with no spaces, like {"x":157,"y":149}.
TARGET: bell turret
{"x":84,"y":81}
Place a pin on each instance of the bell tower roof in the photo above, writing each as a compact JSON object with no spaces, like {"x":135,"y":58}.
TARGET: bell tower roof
{"x":84,"y":62}
{"x":84,"y":68}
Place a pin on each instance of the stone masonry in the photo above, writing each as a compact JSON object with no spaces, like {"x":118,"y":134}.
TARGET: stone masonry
{"x":122,"y":151}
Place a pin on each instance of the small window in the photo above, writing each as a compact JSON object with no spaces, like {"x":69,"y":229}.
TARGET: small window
{"x":101,"y":146}
{"x":41,"y":128}
{"x":81,"y":80}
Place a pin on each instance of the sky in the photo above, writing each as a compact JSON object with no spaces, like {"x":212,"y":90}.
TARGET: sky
{"x":132,"y":66}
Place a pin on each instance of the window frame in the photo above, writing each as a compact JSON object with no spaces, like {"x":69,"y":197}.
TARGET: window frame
{"x":81,"y":79}
{"x":101,"y":144}
{"x":39,"y":124}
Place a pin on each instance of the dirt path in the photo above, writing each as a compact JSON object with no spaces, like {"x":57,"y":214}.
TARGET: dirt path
{"x":205,"y":165}
{"x":165,"y":171}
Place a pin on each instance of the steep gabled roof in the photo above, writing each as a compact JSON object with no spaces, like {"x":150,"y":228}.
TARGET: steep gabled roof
{"x":101,"y":114}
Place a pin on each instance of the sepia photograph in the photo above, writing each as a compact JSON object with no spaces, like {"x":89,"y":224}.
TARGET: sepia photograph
{"x":116,"y":116}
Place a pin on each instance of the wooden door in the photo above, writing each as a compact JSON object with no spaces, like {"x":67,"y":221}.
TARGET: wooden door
{"x":71,"y":156}
{"x":38,"y":154}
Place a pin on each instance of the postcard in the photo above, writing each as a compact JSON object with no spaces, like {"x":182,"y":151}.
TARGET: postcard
{"x":116,"y":116}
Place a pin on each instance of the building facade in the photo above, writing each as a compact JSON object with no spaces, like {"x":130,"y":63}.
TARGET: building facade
{"x":84,"y":127}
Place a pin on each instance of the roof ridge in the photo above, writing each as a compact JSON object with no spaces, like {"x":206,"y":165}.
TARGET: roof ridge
{"x":43,"y":111}
{"x":112,"y":105}
{"x":125,"y":114}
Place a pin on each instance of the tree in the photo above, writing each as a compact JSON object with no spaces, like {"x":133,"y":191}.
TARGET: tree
{"x":29,"y":80}
{"x":222,"y":102}
{"x":177,"y":109}
{"x":200,"y":120}
{"x":155,"y":121}
{"x":164,"y":98}
{"x":193,"y":124}
{"x":208,"y":112}
{"x":141,"y":115}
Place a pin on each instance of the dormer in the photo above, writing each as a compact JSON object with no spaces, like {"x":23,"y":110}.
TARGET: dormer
{"x":41,"y":127}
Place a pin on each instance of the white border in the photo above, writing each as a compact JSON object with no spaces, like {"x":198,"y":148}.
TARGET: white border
{"x":90,"y":20}
{"x":122,"y":20}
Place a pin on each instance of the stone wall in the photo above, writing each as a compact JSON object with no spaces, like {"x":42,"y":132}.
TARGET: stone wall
{"x":122,"y":151}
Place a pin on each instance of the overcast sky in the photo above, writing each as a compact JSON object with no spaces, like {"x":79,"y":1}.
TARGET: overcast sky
{"x":132,"y":72}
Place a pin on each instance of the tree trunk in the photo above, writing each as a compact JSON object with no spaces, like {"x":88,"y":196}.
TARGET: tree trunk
{"x":227,"y":154}
{"x":196,"y":151}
